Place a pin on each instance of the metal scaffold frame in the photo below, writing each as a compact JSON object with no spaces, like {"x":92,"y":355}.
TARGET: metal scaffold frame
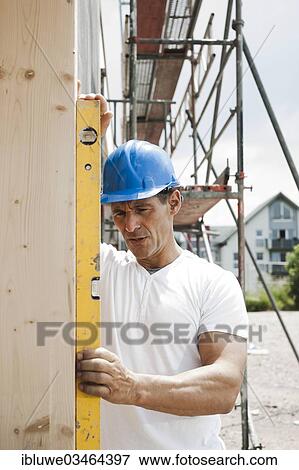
{"x":169,"y":48}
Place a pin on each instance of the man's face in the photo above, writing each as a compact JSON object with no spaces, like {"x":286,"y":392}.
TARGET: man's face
{"x":146,"y":225}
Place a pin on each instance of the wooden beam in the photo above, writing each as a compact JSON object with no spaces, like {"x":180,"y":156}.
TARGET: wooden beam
{"x":37,"y":137}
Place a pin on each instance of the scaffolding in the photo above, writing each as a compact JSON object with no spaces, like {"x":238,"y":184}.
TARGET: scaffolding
{"x":154,"y":54}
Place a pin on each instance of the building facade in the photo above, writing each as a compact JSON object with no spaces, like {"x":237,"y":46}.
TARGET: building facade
{"x":271,"y":230}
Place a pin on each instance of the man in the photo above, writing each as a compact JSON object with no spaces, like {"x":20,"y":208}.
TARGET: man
{"x":173,"y":325}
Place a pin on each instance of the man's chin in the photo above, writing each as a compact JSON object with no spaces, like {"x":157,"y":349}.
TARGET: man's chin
{"x":139,"y":248}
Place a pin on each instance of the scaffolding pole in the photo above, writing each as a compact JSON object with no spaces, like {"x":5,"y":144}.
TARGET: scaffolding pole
{"x":238,"y":25}
{"x":214,"y":87}
{"x":216,"y":139}
{"x":132,"y":77}
{"x":219,"y":87}
{"x":193,"y":64}
{"x":184,"y":42}
{"x":206,"y":242}
{"x":193,"y":115}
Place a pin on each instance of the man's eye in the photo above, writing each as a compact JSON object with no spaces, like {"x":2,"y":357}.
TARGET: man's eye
{"x":118,"y":214}
{"x":141,"y":210}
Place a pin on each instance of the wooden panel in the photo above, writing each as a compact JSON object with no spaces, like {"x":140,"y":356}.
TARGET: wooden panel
{"x":37,"y":137}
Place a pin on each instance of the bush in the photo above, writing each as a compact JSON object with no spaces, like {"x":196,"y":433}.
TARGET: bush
{"x":286,"y":296}
{"x":257,"y":303}
{"x":293,"y":270}
{"x":260,"y":302}
{"x":283,"y":297}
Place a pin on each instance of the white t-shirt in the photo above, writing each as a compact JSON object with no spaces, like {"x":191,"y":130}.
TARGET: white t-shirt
{"x":156,"y":319}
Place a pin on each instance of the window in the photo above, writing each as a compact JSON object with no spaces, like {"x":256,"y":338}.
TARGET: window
{"x":277,"y":256}
{"x":276,"y":210}
{"x":259,"y":242}
{"x":282,"y":234}
{"x":274,"y":234}
{"x":274,"y":256}
{"x":259,"y":233}
{"x":286,"y":211}
{"x":280,"y":210}
{"x":290,"y":234}
{"x":260,"y":256}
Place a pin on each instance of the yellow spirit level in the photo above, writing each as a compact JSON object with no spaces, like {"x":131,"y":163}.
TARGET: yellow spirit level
{"x":88,"y":168}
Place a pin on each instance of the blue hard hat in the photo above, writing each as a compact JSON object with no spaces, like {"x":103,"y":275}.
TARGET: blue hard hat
{"x":136,"y":170}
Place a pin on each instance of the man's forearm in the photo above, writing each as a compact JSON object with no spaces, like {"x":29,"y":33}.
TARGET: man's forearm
{"x":210,"y":389}
{"x":203,"y":391}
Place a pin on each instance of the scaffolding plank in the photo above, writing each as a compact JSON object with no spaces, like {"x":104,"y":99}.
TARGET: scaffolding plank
{"x":198,"y":200}
{"x":150,"y":20}
{"x":165,"y":75}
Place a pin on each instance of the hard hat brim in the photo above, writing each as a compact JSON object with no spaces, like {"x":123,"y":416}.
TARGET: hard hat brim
{"x":128,"y":195}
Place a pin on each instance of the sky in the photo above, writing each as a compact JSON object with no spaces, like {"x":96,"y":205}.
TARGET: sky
{"x":272,"y":35}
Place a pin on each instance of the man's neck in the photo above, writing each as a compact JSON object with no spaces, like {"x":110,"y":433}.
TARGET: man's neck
{"x":163,"y":258}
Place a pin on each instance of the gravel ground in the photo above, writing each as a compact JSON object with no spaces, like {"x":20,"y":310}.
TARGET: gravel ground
{"x":273,"y":385}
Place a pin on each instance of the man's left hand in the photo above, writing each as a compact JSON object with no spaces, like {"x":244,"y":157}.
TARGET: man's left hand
{"x":106,"y":115}
{"x":102,"y":374}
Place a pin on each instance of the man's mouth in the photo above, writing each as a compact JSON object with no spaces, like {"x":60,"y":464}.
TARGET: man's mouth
{"x":136,"y":239}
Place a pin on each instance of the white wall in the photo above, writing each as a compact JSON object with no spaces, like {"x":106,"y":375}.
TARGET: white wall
{"x":259,"y":222}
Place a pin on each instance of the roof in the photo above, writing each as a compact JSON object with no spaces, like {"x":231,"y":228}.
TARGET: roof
{"x":225,"y":236}
{"x":224,"y":232}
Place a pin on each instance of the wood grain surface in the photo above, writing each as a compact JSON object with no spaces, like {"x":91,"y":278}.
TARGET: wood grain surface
{"x":37,"y":148}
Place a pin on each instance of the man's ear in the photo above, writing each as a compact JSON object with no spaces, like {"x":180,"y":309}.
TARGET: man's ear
{"x":174,"y":202}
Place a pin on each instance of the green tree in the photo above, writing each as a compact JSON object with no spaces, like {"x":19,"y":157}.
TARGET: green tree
{"x":293,"y":270}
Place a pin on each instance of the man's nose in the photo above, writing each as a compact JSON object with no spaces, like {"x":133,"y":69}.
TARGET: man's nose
{"x":131,"y":223}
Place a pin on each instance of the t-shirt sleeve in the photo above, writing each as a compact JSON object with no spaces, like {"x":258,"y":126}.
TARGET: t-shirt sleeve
{"x":223,"y":308}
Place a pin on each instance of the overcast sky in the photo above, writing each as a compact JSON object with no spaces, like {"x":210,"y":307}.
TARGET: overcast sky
{"x":272,"y":27}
